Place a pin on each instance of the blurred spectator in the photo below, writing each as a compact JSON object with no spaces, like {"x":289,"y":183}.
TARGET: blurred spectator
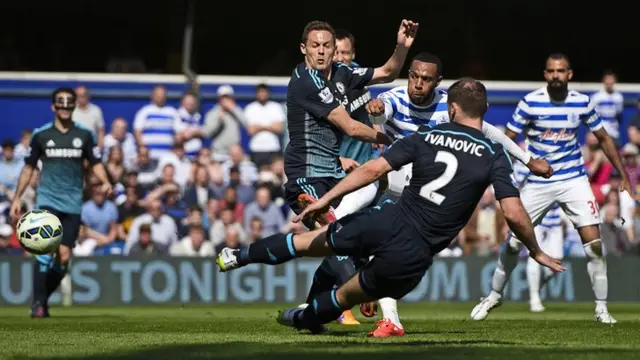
{"x":630,"y":159}
{"x":232,"y":239}
{"x":256,"y":229}
{"x":266,"y":210}
{"x":609,"y":104}
{"x":219,"y":227}
{"x":128,"y":211}
{"x":180,"y":162}
{"x":193,"y":245}
{"x":85,"y":245}
{"x":194,"y":216}
{"x":88,"y":114}
{"x":199,"y":193}
{"x":188,"y":128}
{"x":598,"y":167}
{"x":633,"y":129}
{"x":238,"y":159}
{"x":222,"y":123}
{"x":163,"y":227}
{"x":154,"y":124}
{"x":265,"y":124}
{"x":10,"y":168}
{"x":6,"y":232}
{"x":115,"y":164}
{"x":147,"y":169}
{"x":614,"y":237}
{"x":230,"y":201}
{"x":100,"y":216}
{"x":147,"y":243}
{"x":22,"y":147}
{"x":125,"y":140}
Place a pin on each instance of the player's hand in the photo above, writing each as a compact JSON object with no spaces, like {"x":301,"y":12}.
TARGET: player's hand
{"x":407,"y":32}
{"x":545,"y":260}
{"x":320,"y":206}
{"x":625,"y":185}
{"x":375,"y":107}
{"x":14,"y":212}
{"x":107,"y":189}
{"x":348,"y":164}
{"x":540,"y":167}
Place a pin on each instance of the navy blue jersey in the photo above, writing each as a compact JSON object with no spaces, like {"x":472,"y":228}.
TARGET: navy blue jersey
{"x":453,"y":165}
{"x":314,"y":143}
{"x":62,"y":156}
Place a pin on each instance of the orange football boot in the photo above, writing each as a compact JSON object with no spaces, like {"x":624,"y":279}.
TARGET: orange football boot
{"x":386,"y":328}
{"x":327,"y":218}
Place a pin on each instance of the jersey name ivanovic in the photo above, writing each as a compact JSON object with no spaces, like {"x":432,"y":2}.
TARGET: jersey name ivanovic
{"x":360,"y":101}
{"x":64,"y":153}
{"x":469,"y":147}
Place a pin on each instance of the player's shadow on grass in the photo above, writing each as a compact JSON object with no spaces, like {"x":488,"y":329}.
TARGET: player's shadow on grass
{"x":365,"y":350}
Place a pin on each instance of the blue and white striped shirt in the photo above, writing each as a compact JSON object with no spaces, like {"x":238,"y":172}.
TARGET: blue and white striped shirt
{"x":190,"y":121}
{"x":404,"y":118}
{"x":551,"y":128}
{"x":553,"y":217}
{"x":609,"y":106}
{"x":158,"y":128}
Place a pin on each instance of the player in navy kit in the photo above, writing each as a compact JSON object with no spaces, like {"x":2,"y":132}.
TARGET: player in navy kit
{"x":62,"y":146}
{"x":453,"y":164}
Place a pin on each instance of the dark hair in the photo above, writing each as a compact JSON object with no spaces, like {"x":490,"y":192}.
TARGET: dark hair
{"x":196,"y":227}
{"x":8,"y":143}
{"x":262,"y":86}
{"x":317,"y":26}
{"x":61,"y":90}
{"x":145,"y":228}
{"x":609,"y":72}
{"x":429,"y":58}
{"x":470,"y":95}
{"x":560,"y":56}
{"x":195,"y":208}
{"x":342,"y":34}
{"x":257,"y":218}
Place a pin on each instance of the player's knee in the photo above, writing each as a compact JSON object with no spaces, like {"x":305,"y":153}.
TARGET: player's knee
{"x":64,"y":254}
{"x":593,"y":249}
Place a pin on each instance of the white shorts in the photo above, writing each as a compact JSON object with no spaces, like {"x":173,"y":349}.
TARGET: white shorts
{"x":551,"y":240}
{"x":399,"y":179}
{"x":575,"y":197}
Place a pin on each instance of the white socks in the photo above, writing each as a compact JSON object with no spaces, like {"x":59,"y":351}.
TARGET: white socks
{"x":533,"y":278}
{"x":597,"y":269}
{"x":389,"y":309}
{"x":506,"y":263}
{"x":356,"y":200}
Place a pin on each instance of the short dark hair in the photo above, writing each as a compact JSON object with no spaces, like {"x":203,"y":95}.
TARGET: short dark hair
{"x":8,"y":143}
{"x":429,"y":58}
{"x":609,"y":72}
{"x":560,"y":56}
{"x":342,"y":34}
{"x":262,"y":86}
{"x":317,"y":26}
{"x":470,"y":94}
{"x":195,"y":208}
{"x":61,"y":90}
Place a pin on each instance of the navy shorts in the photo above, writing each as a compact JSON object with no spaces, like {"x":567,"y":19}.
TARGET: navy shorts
{"x":400,"y":256}
{"x":70,"y":225}
{"x":314,"y":187}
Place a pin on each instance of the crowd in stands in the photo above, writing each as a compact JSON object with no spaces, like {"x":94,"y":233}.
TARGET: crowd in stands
{"x":176,"y":196}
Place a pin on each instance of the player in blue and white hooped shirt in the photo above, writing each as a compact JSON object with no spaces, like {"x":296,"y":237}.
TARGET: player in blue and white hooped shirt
{"x":549,"y":118}
{"x":404,"y":109}
{"x":609,"y":104}
{"x":550,"y":236}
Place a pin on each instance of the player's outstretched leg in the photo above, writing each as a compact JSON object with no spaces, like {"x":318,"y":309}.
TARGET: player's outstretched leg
{"x":506,"y":263}
{"x":597,"y":269}
{"x":325,"y":307}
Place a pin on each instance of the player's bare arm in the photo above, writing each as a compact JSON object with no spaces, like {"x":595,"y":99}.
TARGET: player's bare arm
{"x":391,"y":69}
{"x":520,"y":223}
{"x":100,"y":172}
{"x":539,"y":167}
{"x":361,"y":176}
{"x":340,"y":118}
{"x":25,"y":176}
{"x":611,"y":151}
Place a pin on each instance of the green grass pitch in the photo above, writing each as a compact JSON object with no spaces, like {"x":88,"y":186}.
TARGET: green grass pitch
{"x":434,"y":331}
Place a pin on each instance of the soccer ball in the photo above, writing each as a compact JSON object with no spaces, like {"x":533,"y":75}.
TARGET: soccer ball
{"x":39,"y":232}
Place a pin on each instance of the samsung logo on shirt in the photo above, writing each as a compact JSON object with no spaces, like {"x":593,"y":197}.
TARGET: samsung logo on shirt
{"x":64,"y":153}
